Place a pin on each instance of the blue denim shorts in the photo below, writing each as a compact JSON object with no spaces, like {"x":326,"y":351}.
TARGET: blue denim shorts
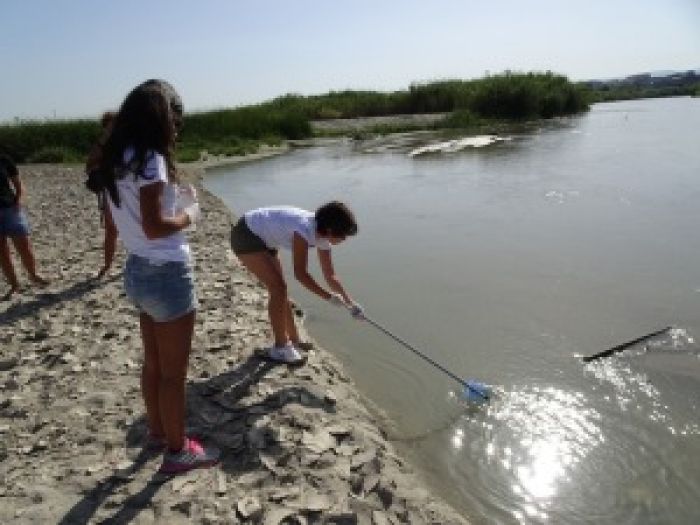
{"x":13,"y":222}
{"x":163,"y":290}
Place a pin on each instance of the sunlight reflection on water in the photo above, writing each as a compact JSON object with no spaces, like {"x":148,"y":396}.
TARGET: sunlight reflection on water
{"x":537,"y":435}
{"x":633,"y":390}
{"x":537,"y":441}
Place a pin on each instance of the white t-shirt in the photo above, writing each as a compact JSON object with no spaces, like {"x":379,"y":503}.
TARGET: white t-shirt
{"x":277,"y":225}
{"x":127,"y":217}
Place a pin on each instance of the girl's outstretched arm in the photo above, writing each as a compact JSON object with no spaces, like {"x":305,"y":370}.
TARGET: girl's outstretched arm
{"x":324,"y":257}
{"x":300,"y":258}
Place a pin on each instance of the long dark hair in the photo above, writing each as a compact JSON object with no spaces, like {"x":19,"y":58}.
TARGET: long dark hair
{"x":95,"y":156}
{"x":148,"y":121}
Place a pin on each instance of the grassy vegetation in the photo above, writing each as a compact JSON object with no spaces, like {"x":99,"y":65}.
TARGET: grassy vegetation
{"x":239,"y":131}
{"x":509,"y":96}
{"x":57,"y":141}
{"x":225,"y":132}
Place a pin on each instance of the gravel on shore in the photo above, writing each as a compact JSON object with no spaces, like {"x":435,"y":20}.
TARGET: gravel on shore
{"x":299,"y":445}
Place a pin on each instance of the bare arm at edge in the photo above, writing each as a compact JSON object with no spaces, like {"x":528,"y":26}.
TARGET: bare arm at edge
{"x":326,"y":261}
{"x":300,"y":258}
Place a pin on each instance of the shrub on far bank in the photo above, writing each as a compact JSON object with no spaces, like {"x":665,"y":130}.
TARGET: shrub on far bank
{"x":225,"y":132}
{"x":54,"y":155}
{"x":30,"y":140}
{"x":523,"y":96}
{"x":509,"y":95}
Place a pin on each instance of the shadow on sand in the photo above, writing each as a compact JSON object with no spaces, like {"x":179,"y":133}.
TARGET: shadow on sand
{"x":217,"y":398}
{"x":46,"y":299}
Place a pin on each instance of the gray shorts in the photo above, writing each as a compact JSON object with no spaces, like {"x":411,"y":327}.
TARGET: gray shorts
{"x":244,"y":241}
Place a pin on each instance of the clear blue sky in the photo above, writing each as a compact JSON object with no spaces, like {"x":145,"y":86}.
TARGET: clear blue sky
{"x":76,"y":58}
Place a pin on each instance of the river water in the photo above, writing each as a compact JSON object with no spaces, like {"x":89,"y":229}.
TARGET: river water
{"x":506,"y":264}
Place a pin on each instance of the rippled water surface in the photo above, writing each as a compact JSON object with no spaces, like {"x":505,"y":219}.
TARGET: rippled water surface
{"x":507,"y":263}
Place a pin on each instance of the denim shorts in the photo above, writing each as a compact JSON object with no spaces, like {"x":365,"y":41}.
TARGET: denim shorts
{"x":163,"y":290}
{"x":13,"y":222}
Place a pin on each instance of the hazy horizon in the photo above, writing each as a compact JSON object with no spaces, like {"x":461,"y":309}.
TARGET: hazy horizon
{"x":78,"y":59}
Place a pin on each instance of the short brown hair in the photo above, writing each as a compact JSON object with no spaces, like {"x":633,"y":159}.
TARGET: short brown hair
{"x":335,"y":218}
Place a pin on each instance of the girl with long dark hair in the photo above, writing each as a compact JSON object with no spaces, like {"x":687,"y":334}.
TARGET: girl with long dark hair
{"x":138,"y":174}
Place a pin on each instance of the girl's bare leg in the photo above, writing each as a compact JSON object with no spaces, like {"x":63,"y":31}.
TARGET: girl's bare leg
{"x":6,"y":264}
{"x":24,"y":249}
{"x":266,"y":268}
{"x":150,"y":375}
{"x":174,"y":342}
{"x":290,"y":325}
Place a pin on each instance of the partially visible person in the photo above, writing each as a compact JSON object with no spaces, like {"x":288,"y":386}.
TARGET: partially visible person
{"x":255,"y":239}
{"x":140,"y":180}
{"x":92,"y":169}
{"x":15,"y":226}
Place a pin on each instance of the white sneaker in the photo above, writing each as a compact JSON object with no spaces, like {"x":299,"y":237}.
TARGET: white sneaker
{"x":285,"y":354}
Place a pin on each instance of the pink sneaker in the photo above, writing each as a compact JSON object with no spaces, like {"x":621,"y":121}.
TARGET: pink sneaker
{"x":193,"y":455}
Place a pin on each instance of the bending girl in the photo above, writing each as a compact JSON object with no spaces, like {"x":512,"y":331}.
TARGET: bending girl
{"x":255,"y":239}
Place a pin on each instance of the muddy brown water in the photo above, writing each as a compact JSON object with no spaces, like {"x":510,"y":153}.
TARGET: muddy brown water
{"x":506,"y":264}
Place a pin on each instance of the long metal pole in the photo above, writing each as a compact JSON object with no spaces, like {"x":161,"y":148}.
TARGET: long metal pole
{"x":425,"y":357}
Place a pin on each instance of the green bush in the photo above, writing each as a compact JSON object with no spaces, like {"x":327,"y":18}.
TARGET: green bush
{"x":53,"y":154}
{"x":510,"y":95}
{"x":187,"y":154}
{"x":25,"y":140}
{"x":523,"y":96}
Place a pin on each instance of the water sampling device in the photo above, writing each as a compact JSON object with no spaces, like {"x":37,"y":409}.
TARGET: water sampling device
{"x":474,"y":391}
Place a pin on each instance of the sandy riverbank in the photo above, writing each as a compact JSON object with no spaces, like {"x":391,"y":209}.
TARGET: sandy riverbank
{"x":299,"y":446}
